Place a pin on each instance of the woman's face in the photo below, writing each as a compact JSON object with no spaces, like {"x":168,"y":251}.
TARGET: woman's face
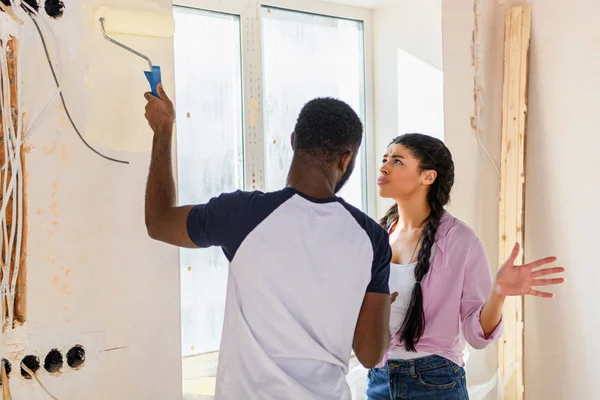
{"x":400,"y":175}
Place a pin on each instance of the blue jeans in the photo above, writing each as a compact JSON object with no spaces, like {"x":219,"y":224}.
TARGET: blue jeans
{"x":427,"y":378}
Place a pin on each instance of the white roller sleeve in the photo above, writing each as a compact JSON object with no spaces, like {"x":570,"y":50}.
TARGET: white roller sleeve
{"x":136,"y":22}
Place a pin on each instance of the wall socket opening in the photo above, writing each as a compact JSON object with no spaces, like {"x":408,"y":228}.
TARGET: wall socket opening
{"x":54,"y":361}
{"x":76,"y":357}
{"x":31,"y":362}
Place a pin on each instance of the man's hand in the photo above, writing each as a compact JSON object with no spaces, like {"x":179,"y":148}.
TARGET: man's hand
{"x":393,"y":297}
{"x":160,"y":112}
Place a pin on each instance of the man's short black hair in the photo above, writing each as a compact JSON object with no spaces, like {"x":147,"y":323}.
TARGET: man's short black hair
{"x":326,"y":129}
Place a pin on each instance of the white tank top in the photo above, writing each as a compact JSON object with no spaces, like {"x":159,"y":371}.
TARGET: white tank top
{"x":402,"y":280}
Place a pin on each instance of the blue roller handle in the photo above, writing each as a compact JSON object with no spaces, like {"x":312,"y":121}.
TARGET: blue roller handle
{"x":154,"y":79}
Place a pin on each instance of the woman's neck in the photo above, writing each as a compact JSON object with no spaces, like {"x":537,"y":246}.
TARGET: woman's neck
{"x":412,"y":214}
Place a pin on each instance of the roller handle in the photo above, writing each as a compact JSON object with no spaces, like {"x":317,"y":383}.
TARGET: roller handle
{"x":154,"y":79}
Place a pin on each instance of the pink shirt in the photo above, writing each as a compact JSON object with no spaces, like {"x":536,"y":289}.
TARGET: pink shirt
{"x":454,"y":291}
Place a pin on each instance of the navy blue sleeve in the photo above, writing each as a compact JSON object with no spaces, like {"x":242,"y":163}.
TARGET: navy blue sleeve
{"x":382,"y":253}
{"x":380,"y":271}
{"x":211,"y":224}
{"x":226,"y":220}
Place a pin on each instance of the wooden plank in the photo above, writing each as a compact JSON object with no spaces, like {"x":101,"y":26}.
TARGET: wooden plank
{"x":511,"y":212}
{"x":501,"y":211}
{"x":523,"y":100}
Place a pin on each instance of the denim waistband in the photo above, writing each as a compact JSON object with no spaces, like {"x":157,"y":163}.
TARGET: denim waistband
{"x":417,"y":365}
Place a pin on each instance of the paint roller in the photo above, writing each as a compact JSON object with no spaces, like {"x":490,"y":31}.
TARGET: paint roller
{"x":140,"y":23}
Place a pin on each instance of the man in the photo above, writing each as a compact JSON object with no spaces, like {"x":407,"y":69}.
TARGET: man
{"x":309,"y":273}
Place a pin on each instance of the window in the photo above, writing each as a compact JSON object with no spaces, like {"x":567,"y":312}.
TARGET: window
{"x":231,"y":62}
{"x":307,"y":56}
{"x":209,"y":157}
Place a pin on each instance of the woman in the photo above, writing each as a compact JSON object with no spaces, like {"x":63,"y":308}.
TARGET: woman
{"x":441,"y":277}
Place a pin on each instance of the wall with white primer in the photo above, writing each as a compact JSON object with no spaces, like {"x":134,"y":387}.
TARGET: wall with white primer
{"x":94,"y":277}
{"x":561,"y":194}
{"x":470,"y":109}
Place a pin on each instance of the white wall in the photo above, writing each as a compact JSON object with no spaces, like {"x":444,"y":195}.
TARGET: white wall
{"x":475,"y":193}
{"x":561,"y":335}
{"x":94,"y":278}
{"x":414,"y":28}
{"x":561,"y":190}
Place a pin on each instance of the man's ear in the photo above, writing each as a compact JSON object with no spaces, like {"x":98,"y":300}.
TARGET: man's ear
{"x":345,"y":161}
{"x":292,"y":140}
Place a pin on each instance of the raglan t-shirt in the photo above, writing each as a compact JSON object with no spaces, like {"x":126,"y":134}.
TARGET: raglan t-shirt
{"x":299,"y":270}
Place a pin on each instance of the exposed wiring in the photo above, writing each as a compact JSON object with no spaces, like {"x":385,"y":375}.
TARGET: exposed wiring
{"x":17,"y":208}
{"x":62,"y":97}
{"x":477,"y":67}
{"x":11,"y":172}
{"x":27,"y":8}
{"x":11,"y":235}
{"x":10,"y":12}
{"x":13,"y":156}
{"x":5,"y":385}
{"x":34,"y":376}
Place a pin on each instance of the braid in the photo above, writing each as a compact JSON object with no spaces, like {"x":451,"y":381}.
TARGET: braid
{"x":390,"y":217}
{"x":413,"y":325}
{"x":432,"y":155}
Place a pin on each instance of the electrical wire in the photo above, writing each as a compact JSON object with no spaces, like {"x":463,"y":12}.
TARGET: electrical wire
{"x":26,"y":7}
{"x":477,"y":68}
{"x":5,"y":385}
{"x":12,"y":172}
{"x":63,"y":99}
{"x":11,"y":154}
{"x":12,"y":151}
{"x":6,"y":122}
{"x":34,"y":376}
{"x":10,"y":12}
{"x":17,"y":209}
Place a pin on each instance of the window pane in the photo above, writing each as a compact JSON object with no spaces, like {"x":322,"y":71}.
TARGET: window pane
{"x":307,"y":56}
{"x":210,"y":157}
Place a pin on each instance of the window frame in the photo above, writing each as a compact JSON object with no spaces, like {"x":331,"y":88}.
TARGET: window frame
{"x":249,"y":12}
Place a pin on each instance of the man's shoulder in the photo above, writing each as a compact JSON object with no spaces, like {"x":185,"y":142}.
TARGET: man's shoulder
{"x":375,"y":231}
{"x":254,"y":197}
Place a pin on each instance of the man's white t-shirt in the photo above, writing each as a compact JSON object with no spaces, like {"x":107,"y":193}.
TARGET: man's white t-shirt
{"x":299,"y":270}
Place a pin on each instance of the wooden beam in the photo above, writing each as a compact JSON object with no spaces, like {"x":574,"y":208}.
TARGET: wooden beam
{"x":517,"y":36}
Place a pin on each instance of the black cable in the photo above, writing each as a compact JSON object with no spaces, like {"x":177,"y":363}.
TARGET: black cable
{"x":61,"y":94}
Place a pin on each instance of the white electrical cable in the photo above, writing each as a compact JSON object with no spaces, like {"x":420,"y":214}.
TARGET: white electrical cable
{"x":77,"y":131}
{"x":5,"y":268}
{"x":58,"y":66}
{"x":10,"y":12}
{"x":11,"y":139}
{"x":18,"y":193}
{"x":477,"y":73}
{"x":4,"y":193}
{"x":5,"y":383}
{"x":19,"y":206}
{"x":6,"y":123}
{"x":14,"y":191}
{"x":34,"y":376}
